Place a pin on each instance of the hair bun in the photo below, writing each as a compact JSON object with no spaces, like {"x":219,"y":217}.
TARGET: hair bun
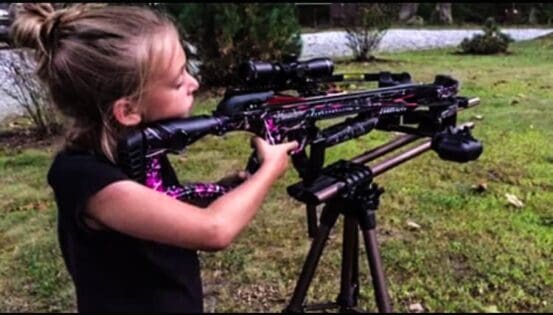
{"x":37,"y":25}
{"x":29,"y":19}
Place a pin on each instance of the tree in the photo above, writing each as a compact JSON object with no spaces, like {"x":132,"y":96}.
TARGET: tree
{"x":227,"y":34}
{"x":407,"y":12}
{"x":442,"y":13}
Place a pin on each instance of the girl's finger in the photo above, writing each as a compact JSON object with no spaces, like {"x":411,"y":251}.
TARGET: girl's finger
{"x":292,"y":145}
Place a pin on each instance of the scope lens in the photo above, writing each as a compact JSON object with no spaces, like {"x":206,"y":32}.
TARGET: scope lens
{"x":258,"y":71}
{"x":317,"y":67}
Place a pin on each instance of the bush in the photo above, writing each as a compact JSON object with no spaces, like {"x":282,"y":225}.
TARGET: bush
{"x":227,"y":34}
{"x":370,"y":23}
{"x":493,"y":41}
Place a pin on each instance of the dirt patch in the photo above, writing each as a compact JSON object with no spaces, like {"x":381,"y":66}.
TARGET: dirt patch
{"x":20,"y":139}
{"x":460,"y":265}
{"x":259,"y":297}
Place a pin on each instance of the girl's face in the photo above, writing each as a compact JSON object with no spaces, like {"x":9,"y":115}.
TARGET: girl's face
{"x":170,"y":93}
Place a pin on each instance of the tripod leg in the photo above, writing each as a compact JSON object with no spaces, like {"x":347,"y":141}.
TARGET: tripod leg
{"x":327,"y":221}
{"x":349,"y":283}
{"x":311,"y":220}
{"x":377,"y":273}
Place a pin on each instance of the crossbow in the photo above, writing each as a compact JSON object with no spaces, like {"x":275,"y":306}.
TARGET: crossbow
{"x":285,"y":101}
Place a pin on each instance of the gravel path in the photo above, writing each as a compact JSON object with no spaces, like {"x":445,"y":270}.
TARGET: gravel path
{"x":333,"y":44}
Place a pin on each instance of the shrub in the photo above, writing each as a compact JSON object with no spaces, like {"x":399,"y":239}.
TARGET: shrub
{"x":227,"y":34}
{"x":493,"y":41}
{"x":20,"y":82}
{"x":370,"y":23}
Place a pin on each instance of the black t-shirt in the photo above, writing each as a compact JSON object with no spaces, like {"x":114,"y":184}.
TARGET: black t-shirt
{"x":113,"y":271}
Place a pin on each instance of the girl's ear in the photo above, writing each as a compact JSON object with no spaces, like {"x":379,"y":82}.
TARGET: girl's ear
{"x":126,"y":112}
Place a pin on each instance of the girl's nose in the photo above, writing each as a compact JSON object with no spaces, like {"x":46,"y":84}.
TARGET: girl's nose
{"x":193,"y":85}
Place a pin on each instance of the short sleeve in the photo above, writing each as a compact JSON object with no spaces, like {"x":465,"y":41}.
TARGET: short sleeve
{"x":74,"y":178}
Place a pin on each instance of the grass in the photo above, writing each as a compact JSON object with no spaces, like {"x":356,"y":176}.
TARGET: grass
{"x":473,"y":252}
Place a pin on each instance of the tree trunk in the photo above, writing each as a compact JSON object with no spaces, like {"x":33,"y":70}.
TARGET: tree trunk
{"x":442,"y":13}
{"x":533,"y":16}
{"x":407,"y":11}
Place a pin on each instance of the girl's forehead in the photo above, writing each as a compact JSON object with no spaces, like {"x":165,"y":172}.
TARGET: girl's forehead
{"x":167,"y":55}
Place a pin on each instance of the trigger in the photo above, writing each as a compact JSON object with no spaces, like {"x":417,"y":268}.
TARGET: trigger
{"x":301,"y":146}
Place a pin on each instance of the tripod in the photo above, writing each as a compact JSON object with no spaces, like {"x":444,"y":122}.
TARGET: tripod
{"x":358,"y":205}
{"x":346,"y":187}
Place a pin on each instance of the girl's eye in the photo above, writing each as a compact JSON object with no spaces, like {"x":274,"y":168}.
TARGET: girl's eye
{"x":180,"y":83}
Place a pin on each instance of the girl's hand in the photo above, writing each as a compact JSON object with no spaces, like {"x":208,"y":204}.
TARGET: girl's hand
{"x":274,"y":157}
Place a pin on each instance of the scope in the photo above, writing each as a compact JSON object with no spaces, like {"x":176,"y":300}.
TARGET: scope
{"x":280,"y":74}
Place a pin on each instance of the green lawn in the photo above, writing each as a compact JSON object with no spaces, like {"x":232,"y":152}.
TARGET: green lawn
{"x":473,"y":252}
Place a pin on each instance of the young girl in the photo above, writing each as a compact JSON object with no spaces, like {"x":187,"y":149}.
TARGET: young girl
{"x":128,"y":247}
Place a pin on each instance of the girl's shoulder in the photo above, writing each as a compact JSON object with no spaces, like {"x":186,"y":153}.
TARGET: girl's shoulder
{"x":72,"y":166}
{"x":75,"y":160}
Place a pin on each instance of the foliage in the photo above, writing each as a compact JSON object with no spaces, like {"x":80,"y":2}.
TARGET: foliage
{"x":20,"y":82}
{"x":477,"y":13}
{"x":493,"y":41}
{"x":227,"y":34}
{"x":370,"y":23}
{"x":546,"y":14}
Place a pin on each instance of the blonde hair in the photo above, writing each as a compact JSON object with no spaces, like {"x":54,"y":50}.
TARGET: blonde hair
{"x":89,"y":56}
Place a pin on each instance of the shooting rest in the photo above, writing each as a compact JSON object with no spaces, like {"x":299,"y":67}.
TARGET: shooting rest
{"x":347,"y":188}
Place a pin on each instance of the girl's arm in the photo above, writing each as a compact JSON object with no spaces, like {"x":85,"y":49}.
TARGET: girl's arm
{"x":134,"y":209}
